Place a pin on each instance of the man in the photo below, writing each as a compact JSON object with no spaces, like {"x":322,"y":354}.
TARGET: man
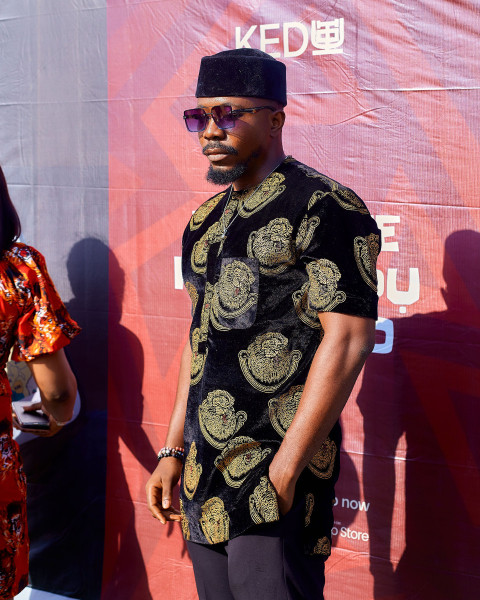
{"x":280,"y":268}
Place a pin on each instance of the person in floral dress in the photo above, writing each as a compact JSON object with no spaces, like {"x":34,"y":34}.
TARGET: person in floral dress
{"x":35,"y":326}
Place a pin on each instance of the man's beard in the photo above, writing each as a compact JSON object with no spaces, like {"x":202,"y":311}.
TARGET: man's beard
{"x":222,"y":177}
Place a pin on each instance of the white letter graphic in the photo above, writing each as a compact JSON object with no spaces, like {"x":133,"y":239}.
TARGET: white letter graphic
{"x":407,"y":297}
{"x":264,"y":41}
{"x":385,"y":325}
{"x":287,"y":53}
{"x":243,"y":42}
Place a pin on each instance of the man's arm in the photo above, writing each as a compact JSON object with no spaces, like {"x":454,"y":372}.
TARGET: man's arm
{"x":335,"y":367}
{"x":166,"y":475}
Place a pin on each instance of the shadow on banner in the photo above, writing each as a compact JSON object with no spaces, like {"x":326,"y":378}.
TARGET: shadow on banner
{"x":124,"y":574}
{"x":427,"y":391}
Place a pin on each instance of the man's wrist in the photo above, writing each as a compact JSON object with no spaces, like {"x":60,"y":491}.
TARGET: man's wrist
{"x":175,"y":452}
{"x":281,"y":475}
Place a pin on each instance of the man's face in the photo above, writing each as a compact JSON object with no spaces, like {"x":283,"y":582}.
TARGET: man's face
{"x":235,"y":153}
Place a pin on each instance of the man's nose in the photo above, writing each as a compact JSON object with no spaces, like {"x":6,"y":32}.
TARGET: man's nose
{"x":212,"y":130}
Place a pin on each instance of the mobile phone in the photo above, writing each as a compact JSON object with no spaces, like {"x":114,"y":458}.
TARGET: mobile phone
{"x":30,"y":420}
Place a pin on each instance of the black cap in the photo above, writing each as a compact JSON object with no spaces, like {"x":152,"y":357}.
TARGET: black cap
{"x":242,"y":72}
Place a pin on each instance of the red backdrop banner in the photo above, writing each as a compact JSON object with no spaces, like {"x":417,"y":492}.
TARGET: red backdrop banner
{"x":383,"y":96}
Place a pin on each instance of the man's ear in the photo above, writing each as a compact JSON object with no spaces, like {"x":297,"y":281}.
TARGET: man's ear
{"x":277,"y":120}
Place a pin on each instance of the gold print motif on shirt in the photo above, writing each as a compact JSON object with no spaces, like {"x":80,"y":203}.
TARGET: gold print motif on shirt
{"x":201,"y":248}
{"x":323,"y":462}
{"x":199,"y":336}
{"x":281,"y":410}
{"x":192,"y":472}
{"x":309,"y":504}
{"x":263,"y":503}
{"x":271,"y":188}
{"x":232,"y":293}
{"x":238,"y":458}
{"x":215,"y":521}
{"x":349,"y":201}
{"x":272,"y":246}
{"x":324,"y":276}
{"x":305,"y":232}
{"x":344,"y":197}
{"x":192,"y":292}
{"x":206,"y":309}
{"x":309,"y":172}
{"x":184,"y":522}
{"x":366,"y":251}
{"x":198,"y":359}
{"x":267,"y":363}
{"x":306,"y":314}
{"x":204,"y":210}
{"x":316,"y":196}
{"x":218,"y":419}
{"x":323,"y":547}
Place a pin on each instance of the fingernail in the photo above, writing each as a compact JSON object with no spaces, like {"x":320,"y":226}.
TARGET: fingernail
{"x":166,"y":503}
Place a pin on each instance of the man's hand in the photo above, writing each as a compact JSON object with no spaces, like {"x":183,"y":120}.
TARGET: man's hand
{"x":284,"y":486}
{"x":159,"y":489}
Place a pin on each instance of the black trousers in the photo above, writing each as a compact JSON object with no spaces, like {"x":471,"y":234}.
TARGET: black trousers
{"x":267,"y":562}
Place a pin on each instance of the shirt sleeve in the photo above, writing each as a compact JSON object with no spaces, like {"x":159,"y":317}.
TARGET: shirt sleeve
{"x":339,"y":243}
{"x":44,"y":325}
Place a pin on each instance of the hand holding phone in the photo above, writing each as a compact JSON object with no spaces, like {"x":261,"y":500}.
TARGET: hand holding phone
{"x":30,"y":420}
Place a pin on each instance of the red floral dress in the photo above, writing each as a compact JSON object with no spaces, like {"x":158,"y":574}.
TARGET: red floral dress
{"x":34,"y":321}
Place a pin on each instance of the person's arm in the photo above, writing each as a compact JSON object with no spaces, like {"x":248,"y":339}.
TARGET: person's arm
{"x":162,"y":481}
{"x":347,"y":342}
{"x":56,"y":383}
{"x":58,"y":389}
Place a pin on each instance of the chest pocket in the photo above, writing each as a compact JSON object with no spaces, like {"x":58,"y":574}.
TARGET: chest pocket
{"x":235,"y":294}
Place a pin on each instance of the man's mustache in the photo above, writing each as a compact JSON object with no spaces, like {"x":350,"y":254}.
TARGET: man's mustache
{"x":217,"y":146}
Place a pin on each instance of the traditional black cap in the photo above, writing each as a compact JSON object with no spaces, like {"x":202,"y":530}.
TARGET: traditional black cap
{"x":242,"y":72}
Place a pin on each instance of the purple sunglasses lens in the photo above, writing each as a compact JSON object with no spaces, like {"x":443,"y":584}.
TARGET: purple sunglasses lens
{"x":196,"y":119}
{"x":223,"y":117}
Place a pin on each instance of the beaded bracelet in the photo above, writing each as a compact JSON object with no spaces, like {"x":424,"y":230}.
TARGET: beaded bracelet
{"x":176,"y":452}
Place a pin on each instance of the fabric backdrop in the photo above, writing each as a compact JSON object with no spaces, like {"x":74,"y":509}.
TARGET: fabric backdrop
{"x":383,"y":96}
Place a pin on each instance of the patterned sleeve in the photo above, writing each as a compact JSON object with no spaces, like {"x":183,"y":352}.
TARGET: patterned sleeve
{"x":44,"y":325}
{"x":339,"y":244}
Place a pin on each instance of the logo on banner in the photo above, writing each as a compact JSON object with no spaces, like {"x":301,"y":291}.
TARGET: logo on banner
{"x":289,"y":40}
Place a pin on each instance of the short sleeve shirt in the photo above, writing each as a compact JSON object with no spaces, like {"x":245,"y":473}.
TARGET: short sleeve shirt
{"x":259,"y":266}
{"x":33,"y":318}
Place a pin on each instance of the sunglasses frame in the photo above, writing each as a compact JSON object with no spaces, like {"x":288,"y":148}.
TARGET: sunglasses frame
{"x":234,"y":112}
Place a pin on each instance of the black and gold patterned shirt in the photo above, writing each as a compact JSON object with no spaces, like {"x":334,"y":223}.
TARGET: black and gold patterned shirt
{"x":258,"y":270}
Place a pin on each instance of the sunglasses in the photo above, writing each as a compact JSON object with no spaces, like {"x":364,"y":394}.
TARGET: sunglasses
{"x":196,"y":119}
